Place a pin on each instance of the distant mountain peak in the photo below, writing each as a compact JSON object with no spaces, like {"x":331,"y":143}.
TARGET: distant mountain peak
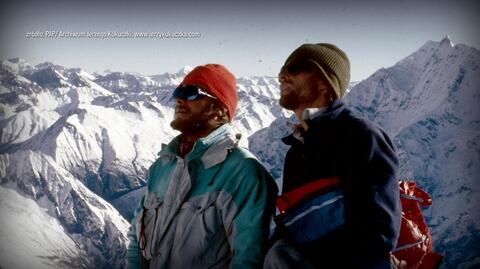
{"x":17,"y":60}
{"x":106,"y":71}
{"x":447,"y":41}
{"x":184,"y":70}
{"x":17,"y":65}
{"x":46,"y":65}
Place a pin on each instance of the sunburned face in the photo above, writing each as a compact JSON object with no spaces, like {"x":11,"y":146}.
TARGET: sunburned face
{"x":300,"y":85}
{"x":296,"y":90}
{"x":192,"y":117}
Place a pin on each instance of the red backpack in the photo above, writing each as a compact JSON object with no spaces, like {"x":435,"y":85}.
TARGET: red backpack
{"x":414,"y":246}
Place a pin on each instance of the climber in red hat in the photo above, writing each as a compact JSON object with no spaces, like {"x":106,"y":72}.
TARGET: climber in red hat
{"x":208,"y":202}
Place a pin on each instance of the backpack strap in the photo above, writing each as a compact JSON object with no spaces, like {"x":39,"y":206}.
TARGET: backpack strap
{"x":296,"y":196}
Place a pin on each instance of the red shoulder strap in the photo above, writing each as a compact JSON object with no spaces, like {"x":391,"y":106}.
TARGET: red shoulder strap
{"x":294,"y":196}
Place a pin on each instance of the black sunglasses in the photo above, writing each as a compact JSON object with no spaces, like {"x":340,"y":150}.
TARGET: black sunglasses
{"x":296,"y":67}
{"x":190,"y":93}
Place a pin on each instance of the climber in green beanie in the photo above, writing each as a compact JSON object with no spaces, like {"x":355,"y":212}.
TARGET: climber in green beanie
{"x":340,"y":205}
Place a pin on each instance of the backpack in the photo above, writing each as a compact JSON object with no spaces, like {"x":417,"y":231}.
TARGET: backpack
{"x":414,"y":246}
{"x":320,"y":204}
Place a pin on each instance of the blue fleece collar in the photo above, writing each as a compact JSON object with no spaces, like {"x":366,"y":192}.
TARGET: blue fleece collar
{"x":215,"y":144}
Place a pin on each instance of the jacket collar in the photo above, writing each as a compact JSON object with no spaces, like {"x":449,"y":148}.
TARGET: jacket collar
{"x":212,"y":149}
{"x":311,"y":113}
{"x":329,"y":113}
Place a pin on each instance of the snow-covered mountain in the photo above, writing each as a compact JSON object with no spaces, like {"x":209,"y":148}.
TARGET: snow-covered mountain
{"x":50,"y":219}
{"x":100,"y":133}
{"x":75,"y":148}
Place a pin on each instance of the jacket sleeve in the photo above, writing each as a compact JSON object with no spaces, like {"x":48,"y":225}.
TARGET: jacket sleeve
{"x":247,"y":214}
{"x":372,"y":203}
{"x":134,"y":257}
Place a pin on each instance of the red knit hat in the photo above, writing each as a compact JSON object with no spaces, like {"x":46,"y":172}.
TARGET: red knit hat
{"x":216,"y":80}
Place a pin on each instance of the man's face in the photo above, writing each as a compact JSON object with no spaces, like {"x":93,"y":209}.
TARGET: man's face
{"x":192,"y":117}
{"x":298,"y":85}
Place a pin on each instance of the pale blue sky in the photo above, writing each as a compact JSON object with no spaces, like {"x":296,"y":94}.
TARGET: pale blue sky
{"x":248,"y":38}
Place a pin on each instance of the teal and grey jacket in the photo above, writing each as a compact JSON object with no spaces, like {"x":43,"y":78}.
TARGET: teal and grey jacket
{"x":211,"y":209}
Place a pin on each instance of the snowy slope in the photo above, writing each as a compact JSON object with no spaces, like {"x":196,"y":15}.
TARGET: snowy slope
{"x":80,"y":229}
{"x":267,"y":145}
{"x":88,"y":130}
{"x":52,"y":247}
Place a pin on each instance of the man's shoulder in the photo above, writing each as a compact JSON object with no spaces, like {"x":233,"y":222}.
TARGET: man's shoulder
{"x":363,"y":129}
{"x":244,"y":160}
{"x":242,"y":156}
{"x":358,"y":124}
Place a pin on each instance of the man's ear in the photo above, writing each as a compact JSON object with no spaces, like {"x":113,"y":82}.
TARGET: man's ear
{"x":223,"y":112}
{"x":325,"y":89}
{"x":219,"y":109}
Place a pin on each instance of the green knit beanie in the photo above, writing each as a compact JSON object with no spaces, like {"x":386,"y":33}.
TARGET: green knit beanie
{"x":331,"y":60}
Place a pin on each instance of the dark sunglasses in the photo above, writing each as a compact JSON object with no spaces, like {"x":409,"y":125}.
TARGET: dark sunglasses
{"x":296,"y":67}
{"x":190,"y":93}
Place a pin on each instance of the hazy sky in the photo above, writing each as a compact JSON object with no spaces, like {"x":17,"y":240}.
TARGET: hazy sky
{"x":248,"y":38}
